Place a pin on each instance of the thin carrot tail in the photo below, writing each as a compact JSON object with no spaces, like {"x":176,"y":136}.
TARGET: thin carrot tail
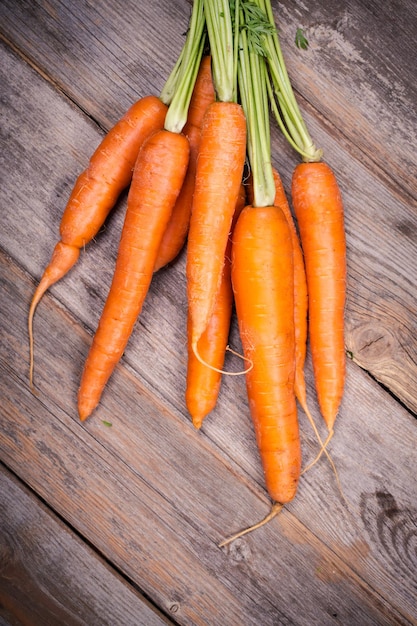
{"x":275,"y":509}
{"x":300,"y":393}
{"x":62,"y":260}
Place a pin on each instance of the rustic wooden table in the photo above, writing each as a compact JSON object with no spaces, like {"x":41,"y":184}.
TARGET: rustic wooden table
{"x":121,"y":524}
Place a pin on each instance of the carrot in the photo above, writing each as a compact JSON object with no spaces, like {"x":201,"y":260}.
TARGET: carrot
{"x":319,"y":211}
{"x":263,"y":286}
{"x":157,"y":179}
{"x":300,"y":287}
{"x":176,"y":232}
{"x":218,"y":175}
{"x":204,"y":378}
{"x":300,"y":293}
{"x":290,"y":120}
{"x":218,"y":178}
{"x":95,"y":192}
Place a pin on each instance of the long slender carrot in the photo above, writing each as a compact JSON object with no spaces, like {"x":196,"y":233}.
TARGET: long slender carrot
{"x":300,"y":287}
{"x":95,"y":192}
{"x":263,"y":285}
{"x":300,"y":293}
{"x":204,"y":376}
{"x":157,"y":179}
{"x":319,"y":211}
{"x":218,"y":178}
{"x":176,"y":232}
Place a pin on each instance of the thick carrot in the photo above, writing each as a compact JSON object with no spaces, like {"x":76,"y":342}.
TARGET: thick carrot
{"x":300,"y":286}
{"x":319,"y":211}
{"x":96,"y":190}
{"x":176,"y":232}
{"x":157,"y":179}
{"x":263,"y":285}
{"x":218,"y":177}
{"x":204,"y":378}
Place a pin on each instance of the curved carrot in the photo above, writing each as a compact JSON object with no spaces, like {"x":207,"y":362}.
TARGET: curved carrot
{"x":176,"y":232}
{"x":157,"y":179}
{"x":203,"y":381}
{"x":263,"y":286}
{"x":96,"y":190}
{"x":319,"y":211}
{"x":218,"y":178}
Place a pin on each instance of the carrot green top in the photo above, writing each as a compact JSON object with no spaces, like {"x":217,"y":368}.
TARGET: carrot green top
{"x":220,"y":17}
{"x":283,"y":101}
{"x":252,"y":80}
{"x":178,"y":88}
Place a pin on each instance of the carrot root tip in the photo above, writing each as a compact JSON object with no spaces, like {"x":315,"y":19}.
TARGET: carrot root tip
{"x":275,"y":509}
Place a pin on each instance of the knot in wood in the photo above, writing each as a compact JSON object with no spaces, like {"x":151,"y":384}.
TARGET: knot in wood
{"x":372,"y":343}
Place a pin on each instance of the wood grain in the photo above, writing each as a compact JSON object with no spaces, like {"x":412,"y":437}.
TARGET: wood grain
{"x":155,"y":497}
{"x":49,"y":575}
{"x":149,"y":493}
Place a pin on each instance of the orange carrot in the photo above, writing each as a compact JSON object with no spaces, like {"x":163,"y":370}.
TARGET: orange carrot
{"x":300,"y":294}
{"x":218,"y":177}
{"x":176,"y":232}
{"x":203,"y":381}
{"x":157,"y":179}
{"x":96,"y":190}
{"x":319,"y":212}
{"x":263,"y":286}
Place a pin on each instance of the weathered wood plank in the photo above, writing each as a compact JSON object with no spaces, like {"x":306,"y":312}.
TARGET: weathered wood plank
{"x":155,"y":497}
{"x":359,"y":74}
{"x":188,"y":489}
{"x":49,"y":576}
{"x":362,"y":119}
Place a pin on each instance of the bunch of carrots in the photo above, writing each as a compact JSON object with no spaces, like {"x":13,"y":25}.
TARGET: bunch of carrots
{"x":197,"y":161}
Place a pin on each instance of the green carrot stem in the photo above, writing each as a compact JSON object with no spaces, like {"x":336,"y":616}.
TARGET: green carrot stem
{"x":288,"y":113}
{"x":254,"y":97}
{"x":220,"y":34}
{"x":181,"y":82}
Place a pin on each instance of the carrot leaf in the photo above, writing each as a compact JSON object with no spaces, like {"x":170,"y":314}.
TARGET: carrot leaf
{"x":300,"y":39}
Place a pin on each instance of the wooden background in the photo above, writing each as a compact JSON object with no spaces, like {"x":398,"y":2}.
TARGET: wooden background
{"x":120,"y":525}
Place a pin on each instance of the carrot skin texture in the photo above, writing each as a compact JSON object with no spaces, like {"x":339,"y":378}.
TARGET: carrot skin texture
{"x":203,"y":382}
{"x":319,"y":211}
{"x":263,"y":286}
{"x":177,"y":229}
{"x":218,"y":178}
{"x":157,"y":179}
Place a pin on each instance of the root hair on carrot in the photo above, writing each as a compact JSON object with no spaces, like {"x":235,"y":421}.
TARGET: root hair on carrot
{"x":215,"y":369}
